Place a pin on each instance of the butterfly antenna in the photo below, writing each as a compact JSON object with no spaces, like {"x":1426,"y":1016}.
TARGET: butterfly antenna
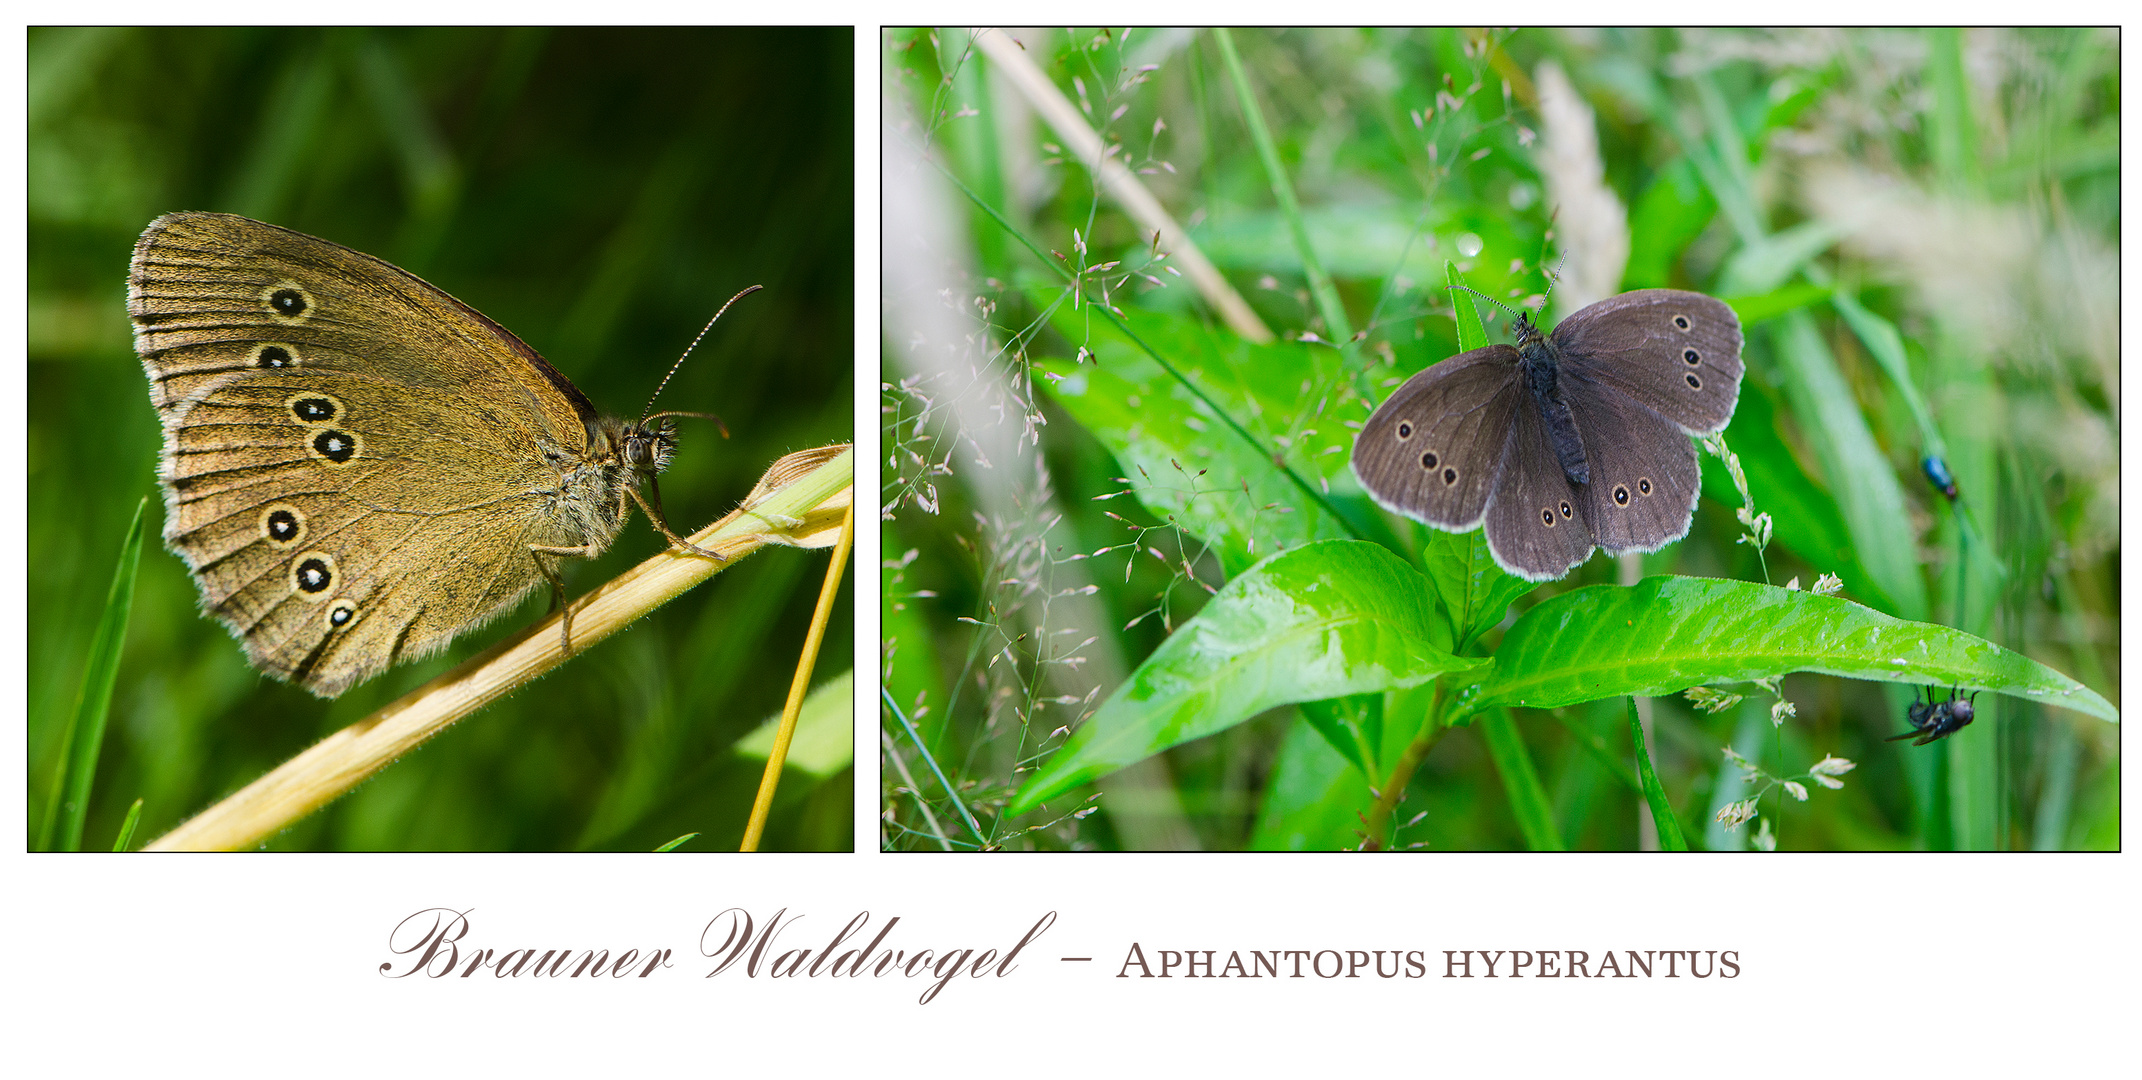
{"x":1553,"y":280}
{"x":645,"y":413}
{"x":1487,"y":298}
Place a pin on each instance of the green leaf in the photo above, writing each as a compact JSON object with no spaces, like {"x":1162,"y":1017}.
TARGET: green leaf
{"x":1797,"y":92}
{"x":1520,"y":781}
{"x":1335,"y":618}
{"x":84,"y":739}
{"x":1314,"y":800}
{"x":1471,"y":335}
{"x":1670,"y":838}
{"x":678,"y":842}
{"x":824,"y":740}
{"x":1184,"y":461}
{"x":1373,"y":241}
{"x":1665,"y":634}
{"x":1475,"y":592}
{"x":1353,"y":726}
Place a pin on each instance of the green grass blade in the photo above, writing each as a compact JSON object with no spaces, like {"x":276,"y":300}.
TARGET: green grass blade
{"x":951,"y":791}
{"x":1859,"y":474}
{"x":1765,"y":264}
{"x":126,"y":828}
{"x":1952,"y":134}
{"x":1320,"y":285}
{"x":1670,"y":838}
{"x":678,"y":842}
{"x":1520,"y":781}
{"x":1882,"y":341}
{"x":79,"y":748}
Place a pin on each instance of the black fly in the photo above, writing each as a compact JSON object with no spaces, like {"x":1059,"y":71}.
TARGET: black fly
{"x":1931,"y":719}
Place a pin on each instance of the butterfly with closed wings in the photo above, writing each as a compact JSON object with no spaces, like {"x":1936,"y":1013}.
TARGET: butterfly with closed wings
{"x":357,"y":467}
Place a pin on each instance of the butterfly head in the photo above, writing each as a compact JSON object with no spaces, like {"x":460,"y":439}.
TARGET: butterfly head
{"x":1526,"y":331}
{"x":647,"y":446}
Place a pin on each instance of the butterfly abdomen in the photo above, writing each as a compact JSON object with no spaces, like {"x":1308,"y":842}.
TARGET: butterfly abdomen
{"x":1542,"y":375}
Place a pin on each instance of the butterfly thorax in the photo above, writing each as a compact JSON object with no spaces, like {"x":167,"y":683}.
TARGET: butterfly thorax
{"x":588,"y":501}
{"x":1540,"y":365}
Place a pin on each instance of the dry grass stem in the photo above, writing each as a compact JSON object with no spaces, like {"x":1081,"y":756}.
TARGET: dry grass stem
{"x":801,"y":501}
{"x":762,"y":805}
{"x":1084,"y":144}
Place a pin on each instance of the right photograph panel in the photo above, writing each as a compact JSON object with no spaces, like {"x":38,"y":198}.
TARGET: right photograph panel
{"x":1538,"y":440}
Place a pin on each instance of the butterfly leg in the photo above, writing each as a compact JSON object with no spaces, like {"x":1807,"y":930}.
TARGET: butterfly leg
{"x":557,"y":584}
{"x":654,"y":514}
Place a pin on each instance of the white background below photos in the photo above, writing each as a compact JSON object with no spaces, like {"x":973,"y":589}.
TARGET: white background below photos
{"x":1858,"y":965}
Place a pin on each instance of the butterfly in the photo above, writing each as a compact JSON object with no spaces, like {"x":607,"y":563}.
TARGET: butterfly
{"x":1563,"y":442}
{"x":357,"y":467}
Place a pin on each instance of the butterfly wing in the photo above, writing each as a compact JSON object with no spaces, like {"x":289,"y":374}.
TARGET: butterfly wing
{"x":1433,"y":450}
{"x":354,"y":463}
{"x":1676,"y":353}
{"x":1644,"y":477}
{"x":1536,"y":525}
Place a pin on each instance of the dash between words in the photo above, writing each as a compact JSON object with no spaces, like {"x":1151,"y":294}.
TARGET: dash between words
{"x":433,"y":942}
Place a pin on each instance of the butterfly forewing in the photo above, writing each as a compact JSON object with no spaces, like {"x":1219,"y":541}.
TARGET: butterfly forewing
{"x":1432,"y":451}
{"x":1676,"y":353}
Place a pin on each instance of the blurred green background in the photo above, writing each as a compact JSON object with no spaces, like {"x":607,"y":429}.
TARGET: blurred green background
{"x":599,"y":193}
{"x":1956,"y":189}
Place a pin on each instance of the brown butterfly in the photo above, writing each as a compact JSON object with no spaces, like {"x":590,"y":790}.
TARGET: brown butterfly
{"x":357,"y":467}
{"x":1563,"y":442}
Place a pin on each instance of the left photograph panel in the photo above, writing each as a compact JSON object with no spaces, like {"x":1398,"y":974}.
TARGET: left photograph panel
{"x":471,"y":466}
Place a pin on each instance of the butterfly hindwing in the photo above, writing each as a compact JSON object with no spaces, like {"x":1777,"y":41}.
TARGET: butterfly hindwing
{"x":1644,"y":476}
{"x":1536,"y":525}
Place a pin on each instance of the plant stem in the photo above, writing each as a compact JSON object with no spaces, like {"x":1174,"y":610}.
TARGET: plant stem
{"x":798,"y":502}
{"x":1378,"y":820}
{"x":1320,"y":284}
{"x":762,"y":805}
